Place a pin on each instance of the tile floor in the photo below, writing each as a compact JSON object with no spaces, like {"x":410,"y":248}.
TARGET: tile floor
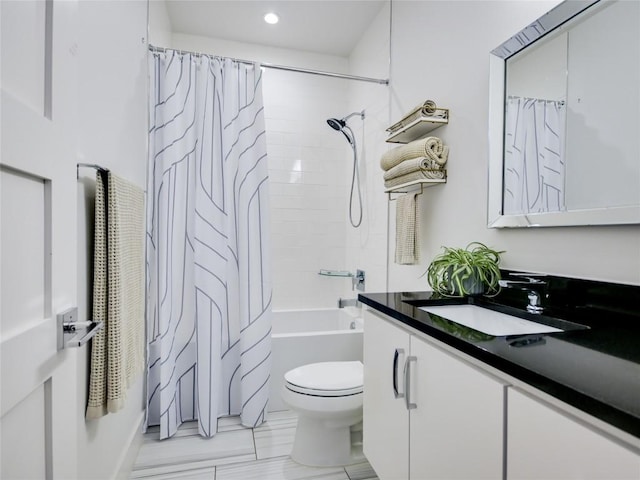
{"x":235,"y":453}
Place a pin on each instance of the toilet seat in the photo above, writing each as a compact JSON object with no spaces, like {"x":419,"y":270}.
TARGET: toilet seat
{"x":326,"y":379}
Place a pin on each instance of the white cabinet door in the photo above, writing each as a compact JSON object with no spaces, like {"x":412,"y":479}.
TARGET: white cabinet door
{"x":386,"y":419}
{"x":547,"y":444}
{"x":38,"y":396}
{"x":457,"y":426}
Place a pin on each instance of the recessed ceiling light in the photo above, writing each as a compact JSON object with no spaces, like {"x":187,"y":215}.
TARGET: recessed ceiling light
{"x":271,"y":18}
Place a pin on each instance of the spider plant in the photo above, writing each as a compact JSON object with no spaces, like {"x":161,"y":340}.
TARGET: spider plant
{"x":459,"y":272}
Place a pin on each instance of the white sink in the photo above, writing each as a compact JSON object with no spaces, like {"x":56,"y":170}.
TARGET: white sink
{"x":488,"y":321}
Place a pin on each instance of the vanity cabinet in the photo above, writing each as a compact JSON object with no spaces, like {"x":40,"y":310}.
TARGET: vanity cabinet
{"x":428,"y":413}
{"x":385,"y":417}
{"x":544,"y":442}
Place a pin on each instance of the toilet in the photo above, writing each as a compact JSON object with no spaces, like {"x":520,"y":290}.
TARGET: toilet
{"x":327,"y":397}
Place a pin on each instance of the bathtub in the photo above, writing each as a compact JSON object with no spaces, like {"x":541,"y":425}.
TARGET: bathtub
{"x":306,"y":336}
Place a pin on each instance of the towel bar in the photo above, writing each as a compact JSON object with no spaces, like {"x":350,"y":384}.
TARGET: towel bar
{"x":89,"y":165}
{"x":72,"y":333}
{"x":335,"y":273}
{"x":402,"y":192}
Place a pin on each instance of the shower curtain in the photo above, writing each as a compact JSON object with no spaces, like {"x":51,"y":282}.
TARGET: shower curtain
{"x":208,"y":279}
{"x":534,"y":167}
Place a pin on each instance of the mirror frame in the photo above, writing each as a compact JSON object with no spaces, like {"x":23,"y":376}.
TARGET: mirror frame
{"x":556,"y":17}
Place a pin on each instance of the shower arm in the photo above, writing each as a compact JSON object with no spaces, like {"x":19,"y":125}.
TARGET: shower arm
{"x":353,"y":115}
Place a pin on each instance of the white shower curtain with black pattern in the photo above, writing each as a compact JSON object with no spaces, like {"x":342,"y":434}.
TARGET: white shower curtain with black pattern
{"x":208,"y":278}
{"x":534,"y":167}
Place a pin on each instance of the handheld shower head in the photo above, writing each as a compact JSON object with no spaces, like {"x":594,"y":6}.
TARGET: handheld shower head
{"x":341,"y":125}
{"x":336,"y":124}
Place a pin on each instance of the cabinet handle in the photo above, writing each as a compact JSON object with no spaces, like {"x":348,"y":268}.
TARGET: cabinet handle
{"x":396,"y":354}
{"x":407,"y":382}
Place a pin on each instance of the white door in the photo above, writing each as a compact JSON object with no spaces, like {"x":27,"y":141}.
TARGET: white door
{"x":38,"y":397}
{"x":457,"y":425}
{"x":385,"y":416}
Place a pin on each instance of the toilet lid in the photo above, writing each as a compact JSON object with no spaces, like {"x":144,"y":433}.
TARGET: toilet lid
{"x":326,"y":379}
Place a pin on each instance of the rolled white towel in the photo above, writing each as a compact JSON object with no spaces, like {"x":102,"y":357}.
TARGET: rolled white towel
{"x":429,"y":147}
{"x":426,"y":109}
{"x":410,"y":166}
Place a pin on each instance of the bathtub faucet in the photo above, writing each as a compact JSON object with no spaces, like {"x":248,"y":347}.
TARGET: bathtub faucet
{"x":348,"y":302}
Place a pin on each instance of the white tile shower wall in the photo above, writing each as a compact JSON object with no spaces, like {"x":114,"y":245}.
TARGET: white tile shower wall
{"x":308,"y":180}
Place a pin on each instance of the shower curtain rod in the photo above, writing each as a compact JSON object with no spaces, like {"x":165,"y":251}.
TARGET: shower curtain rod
{"x":283,"y":67}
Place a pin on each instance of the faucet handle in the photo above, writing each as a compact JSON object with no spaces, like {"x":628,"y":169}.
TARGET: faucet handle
{"x":357,"y":282}
{"x":530,"y":277}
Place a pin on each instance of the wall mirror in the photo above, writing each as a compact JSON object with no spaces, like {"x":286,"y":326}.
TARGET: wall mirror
{"x":564,"y":119}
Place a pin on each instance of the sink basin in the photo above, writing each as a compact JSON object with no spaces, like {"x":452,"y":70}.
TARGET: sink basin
{"x":488,"y":321}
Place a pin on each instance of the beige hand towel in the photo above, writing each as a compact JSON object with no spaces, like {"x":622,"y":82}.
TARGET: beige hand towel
{"x":118,"y":350}
{"x":407,"y":229}
{"x":430,"y":147}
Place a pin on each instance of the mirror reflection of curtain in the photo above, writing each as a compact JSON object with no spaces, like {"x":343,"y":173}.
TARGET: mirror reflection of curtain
{"x":534,"y":166}
{"x":208,"y":280}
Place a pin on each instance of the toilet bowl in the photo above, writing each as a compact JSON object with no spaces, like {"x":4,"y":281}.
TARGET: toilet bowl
{"x":327,"y":397}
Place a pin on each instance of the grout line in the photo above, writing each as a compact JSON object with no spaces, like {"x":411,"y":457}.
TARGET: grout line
{"x":346,"y":473}
{"x":255,"y":445}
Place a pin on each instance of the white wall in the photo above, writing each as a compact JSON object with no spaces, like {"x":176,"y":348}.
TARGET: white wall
{"x":113,"y":116}
{"x":159,"y":23}
{"x":440,"y":50}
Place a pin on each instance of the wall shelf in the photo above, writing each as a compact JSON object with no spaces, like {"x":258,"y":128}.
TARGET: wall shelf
{"x":422,"y":184}
{"x":418,"y":128}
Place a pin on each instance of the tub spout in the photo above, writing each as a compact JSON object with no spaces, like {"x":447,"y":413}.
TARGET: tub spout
{"x":348,"y":302}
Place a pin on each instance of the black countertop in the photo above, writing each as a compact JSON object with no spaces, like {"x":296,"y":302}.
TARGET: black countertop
{"x":594,"y":365}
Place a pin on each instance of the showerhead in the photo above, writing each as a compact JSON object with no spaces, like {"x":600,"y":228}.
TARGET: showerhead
{"x":336,"y":124}
{"x":341,"y":124}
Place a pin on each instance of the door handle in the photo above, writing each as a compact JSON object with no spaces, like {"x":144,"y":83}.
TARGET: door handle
{"x":407,"y":382}
{"x":396,"y":355}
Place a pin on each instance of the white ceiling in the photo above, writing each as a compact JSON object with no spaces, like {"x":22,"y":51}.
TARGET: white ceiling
{"x":323,"y":26}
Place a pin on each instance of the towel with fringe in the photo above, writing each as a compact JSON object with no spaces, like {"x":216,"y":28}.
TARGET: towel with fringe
{"x":407,"y":229}
{"x":410,"y":166}
{"x":117,"y":351}
{"x":430,"y":147}
{"x":419,"y":175}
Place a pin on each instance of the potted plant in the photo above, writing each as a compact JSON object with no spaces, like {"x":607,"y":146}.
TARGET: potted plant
{"x":458,"y":272}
